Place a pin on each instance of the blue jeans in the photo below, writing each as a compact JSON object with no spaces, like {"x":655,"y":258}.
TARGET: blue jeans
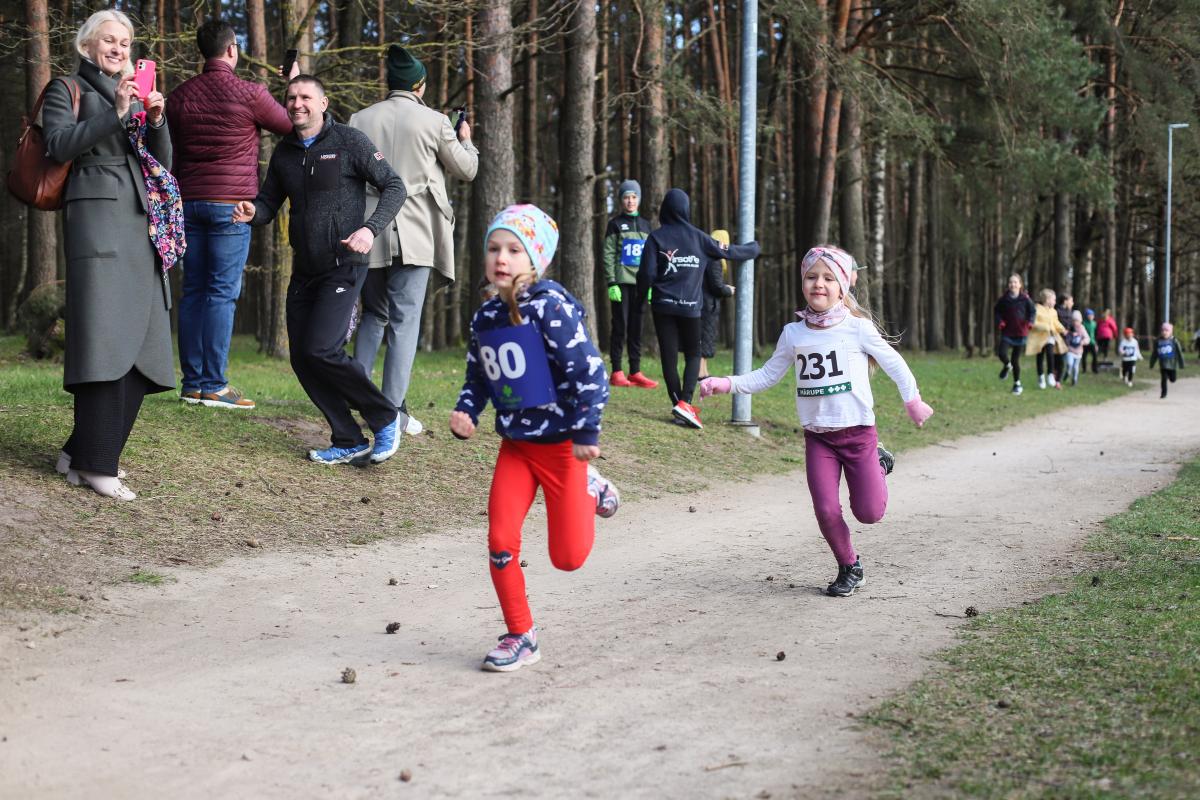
{"x":216,"y":254}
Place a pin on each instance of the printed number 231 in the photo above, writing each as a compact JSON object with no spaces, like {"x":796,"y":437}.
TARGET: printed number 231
{"x":816,"y":362}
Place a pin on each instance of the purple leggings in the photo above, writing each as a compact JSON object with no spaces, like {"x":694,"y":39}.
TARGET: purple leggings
{"x":825,"y":456}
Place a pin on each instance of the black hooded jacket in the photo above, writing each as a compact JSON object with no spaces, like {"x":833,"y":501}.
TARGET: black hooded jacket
{"x":675,"y":256}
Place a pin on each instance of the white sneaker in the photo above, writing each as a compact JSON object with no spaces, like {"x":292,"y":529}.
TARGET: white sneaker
{"x":1017,"y":389}
{"x":1041,"y":381}
{"x":414,"y":426}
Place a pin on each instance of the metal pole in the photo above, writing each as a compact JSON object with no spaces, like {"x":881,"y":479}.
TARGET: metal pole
{"x":743,"y":348}
{"x":1170,"y":182}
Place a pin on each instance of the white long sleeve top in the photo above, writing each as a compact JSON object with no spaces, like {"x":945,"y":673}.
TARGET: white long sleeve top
{"x":833,"y":384}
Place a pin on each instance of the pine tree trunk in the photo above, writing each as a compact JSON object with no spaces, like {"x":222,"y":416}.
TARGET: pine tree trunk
{"x":850,"y":196}
{"x":577,"y":264}
{"x":256,"y":47}
{"x":493,"y":187}
{"x":43,"y":241}
{"x":1062,"y":234}
{"x":600,"y":190}
{"x":936,"y":318}
{"x":653,"y":140}
{"x":910,"y":337}
{"x":529,"y":117}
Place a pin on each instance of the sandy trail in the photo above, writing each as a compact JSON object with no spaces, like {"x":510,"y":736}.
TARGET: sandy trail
{"x":659,"y":655}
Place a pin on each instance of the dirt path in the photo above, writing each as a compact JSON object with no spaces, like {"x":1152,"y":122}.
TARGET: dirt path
{"x":659,"y":677}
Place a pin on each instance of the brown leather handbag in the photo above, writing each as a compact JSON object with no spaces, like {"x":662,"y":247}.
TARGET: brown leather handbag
{"x":36,"y":179}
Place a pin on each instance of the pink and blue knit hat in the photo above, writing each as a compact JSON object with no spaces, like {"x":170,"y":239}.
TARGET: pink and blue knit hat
{"x":534,"y":228}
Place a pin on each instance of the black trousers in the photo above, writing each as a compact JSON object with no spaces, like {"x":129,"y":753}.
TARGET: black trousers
{"x":318,"y":316}
{"x":104,"y":415}
{"x":675,"y":334}
{"x":1090,"y":348}
{"x":1167,"y":375}
{"x":1102,"y":344}
{"x":1011,"y":354}
{"x":1046,"y":359}
{"x":1060,"y":360}
{"x":626,"y":328}
{"x":1127,"y":368}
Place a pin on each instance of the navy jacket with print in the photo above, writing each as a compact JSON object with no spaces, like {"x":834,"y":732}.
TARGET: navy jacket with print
{"x":675,"y":256}
{"x":580,"y":380}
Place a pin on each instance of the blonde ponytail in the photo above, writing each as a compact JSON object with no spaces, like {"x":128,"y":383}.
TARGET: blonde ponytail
{"x":509,"y":295}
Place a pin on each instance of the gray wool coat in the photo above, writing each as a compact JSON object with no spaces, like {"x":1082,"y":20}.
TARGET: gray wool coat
{"x":118,"y":300}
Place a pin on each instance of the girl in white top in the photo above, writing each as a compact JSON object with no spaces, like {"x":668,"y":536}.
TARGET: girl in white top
{"x":834,"y":350}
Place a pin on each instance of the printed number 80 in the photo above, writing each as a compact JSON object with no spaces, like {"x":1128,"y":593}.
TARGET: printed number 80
{"x":510,"y":361}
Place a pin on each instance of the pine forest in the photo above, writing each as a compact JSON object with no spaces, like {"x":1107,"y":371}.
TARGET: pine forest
{"x":945,"y":143}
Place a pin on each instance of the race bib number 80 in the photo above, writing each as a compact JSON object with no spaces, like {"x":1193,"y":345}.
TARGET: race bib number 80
{"x":821,"y":370}
{"x":517,"y":368}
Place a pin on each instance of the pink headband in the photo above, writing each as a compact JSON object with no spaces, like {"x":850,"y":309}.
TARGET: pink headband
{"x":841,"y":262}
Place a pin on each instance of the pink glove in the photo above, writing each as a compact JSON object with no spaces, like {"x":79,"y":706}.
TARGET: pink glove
{"x":711,"y":386}
{"x":918,"y":410}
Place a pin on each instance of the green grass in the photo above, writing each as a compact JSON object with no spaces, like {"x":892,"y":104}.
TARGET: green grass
{"x":1102,"y":681}
{"x":143,"y":576}
{"x":190,"y":463}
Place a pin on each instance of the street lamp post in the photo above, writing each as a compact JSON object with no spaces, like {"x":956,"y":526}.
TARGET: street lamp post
{"x":743,"y":345}
{"x":1170,"y":169}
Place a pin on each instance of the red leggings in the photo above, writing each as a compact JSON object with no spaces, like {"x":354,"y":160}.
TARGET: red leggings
{"x":520,"y":468}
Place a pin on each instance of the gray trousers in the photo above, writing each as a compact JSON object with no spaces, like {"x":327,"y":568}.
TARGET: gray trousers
{"x":392,"y":299}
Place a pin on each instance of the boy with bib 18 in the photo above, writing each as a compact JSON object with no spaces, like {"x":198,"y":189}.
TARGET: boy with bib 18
{"x":834,"y":351}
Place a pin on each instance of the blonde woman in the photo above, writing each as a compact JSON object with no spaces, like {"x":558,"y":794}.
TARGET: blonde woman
{"x":118,"y":325}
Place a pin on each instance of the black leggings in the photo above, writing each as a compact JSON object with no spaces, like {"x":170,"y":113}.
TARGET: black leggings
{"x":1102,"y":344}
{"x":104,"y":415}
{"x":1014,"y":358}
{"x":675,"y":334}
{"x":1167,"y":375}
{"x":1089,"y":348}
{"x":1045,"y":359}
{"x":1127,"y":368}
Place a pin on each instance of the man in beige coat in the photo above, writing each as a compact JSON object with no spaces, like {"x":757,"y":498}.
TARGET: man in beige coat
{"x":421,"y":145}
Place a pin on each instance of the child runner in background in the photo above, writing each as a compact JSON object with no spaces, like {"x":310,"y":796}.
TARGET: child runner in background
{"x":1168,"y":352}
{"x":1077,"y":339}
{"x":1015,"y":313}
{"x":1106,"y":331}
{"x":1130,"y":355}
{"x":715,"y":290}
{"x":551,"y":363}
{"x":623,"y":240}
{"x":672,"y":273}
{"x":833,"y":350}
{"x":1090,"y":325}
{"x":1045,"y":339}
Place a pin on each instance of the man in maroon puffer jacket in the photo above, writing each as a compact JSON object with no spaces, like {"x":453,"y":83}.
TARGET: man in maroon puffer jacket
{"x":215,"y":119}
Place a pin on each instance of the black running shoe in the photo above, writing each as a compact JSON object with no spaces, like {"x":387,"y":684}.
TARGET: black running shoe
{"x":849,"y":578}
{"x":1004,"y":372}
{"x":886,"y":460}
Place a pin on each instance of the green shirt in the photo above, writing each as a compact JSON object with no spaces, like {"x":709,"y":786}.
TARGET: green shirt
{"x":1089,"y":325}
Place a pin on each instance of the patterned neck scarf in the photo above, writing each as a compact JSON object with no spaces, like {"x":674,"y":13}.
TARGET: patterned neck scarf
{"x":162,"y":197}
{"x":842,"y":264}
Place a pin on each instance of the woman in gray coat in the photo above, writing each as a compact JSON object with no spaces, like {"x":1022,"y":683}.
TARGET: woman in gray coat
{"x":118,"y":326}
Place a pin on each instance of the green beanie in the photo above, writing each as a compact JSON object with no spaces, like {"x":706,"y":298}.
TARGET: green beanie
{"x":404,"y":73}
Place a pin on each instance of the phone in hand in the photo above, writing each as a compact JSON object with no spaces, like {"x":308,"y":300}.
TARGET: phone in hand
{"x":143,"y":77}
{"x":457,"y":117}
{"x":289,"y":59}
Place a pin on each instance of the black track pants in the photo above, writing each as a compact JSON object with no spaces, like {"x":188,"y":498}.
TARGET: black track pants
{"x":626,"y":329}
{"x":1011,"y":354}
{"x":1167,"y":375}
{"x":318,"y":315}
{"x":675,"y":334}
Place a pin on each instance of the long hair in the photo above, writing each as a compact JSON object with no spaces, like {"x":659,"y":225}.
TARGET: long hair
{"x":87,"y":34}
{"x":487,"y":290}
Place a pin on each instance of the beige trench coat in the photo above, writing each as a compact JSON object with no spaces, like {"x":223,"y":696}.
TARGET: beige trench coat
{"x":421,"y":146}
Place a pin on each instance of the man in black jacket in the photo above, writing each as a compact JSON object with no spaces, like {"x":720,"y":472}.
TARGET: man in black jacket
{"x":323,"y":168}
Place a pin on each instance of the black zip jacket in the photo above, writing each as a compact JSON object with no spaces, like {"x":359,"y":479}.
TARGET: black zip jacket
{"x":675,"y":256}
{"x":1016,"y":314}
{"x":326,"y":183}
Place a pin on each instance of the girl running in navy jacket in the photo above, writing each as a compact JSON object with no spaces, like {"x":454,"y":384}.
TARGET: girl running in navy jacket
{"x":530,"y":355}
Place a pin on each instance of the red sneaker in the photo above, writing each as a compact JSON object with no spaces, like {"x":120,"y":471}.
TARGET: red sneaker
{"x":688,"y":413}
{"x":641,"y":381}
{"x":618,"y":379}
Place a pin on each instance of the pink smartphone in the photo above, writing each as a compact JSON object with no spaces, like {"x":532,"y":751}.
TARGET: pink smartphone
{"x":144,"y":78}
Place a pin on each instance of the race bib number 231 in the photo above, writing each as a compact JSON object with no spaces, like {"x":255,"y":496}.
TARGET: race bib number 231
{"x":821,"y":370}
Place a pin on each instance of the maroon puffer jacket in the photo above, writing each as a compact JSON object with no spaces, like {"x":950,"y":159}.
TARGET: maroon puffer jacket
{"x":215,"y":118}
